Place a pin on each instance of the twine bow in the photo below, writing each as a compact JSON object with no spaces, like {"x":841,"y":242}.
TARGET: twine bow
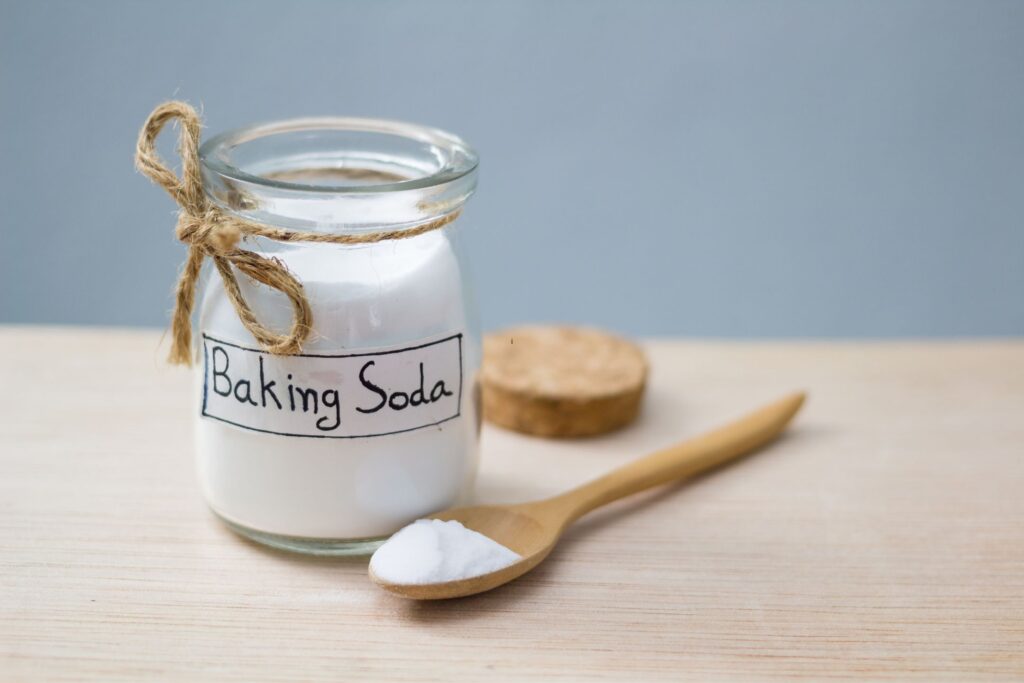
{"x":212,"y":233}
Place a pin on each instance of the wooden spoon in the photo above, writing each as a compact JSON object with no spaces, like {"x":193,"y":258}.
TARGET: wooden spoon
{"x":533,"y":529}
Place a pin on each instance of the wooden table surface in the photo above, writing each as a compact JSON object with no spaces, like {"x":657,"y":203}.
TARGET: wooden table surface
{"x":883,"y":538}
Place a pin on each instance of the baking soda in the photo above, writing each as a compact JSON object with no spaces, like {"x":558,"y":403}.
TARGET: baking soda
{"x":432,"y":551}
{"x":365,"y":299}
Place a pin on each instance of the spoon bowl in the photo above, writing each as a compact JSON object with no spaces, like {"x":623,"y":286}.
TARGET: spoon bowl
{"x":532,"y":529}
{"x":524,"y":529}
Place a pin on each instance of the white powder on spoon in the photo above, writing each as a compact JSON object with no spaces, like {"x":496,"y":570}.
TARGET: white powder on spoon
{"x":433,"y":551}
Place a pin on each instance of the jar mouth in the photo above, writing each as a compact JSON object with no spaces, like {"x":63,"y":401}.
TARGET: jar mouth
{"x":338,"y":156}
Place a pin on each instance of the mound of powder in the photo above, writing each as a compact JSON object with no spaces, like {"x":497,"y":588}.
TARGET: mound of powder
{"x":433,"y":551}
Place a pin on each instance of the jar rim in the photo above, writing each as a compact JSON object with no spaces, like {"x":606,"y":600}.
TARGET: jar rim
{"x":457,"y":159}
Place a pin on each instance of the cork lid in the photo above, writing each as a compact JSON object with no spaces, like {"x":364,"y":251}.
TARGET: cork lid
{"x":561,"y":381}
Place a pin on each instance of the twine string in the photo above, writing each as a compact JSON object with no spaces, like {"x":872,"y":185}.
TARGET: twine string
{"x":212,"y":233}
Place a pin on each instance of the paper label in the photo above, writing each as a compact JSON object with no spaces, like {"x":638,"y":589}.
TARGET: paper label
{"x":333,"y":396}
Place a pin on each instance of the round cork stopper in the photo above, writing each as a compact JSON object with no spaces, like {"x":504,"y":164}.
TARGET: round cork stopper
{"x":561,"y":381}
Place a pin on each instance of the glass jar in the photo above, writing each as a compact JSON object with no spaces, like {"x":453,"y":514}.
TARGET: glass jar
{"x":376,"y":422}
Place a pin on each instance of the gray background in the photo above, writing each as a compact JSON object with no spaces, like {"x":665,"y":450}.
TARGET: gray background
{"x":725,"y":169}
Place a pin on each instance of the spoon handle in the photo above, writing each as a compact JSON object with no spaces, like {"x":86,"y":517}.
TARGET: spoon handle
{"x":682,"y":460}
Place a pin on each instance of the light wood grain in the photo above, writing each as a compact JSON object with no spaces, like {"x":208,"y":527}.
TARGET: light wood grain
{"x":882,"y":538}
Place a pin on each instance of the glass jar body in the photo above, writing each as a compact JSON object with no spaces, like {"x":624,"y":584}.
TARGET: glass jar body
{"x":376,"y":423}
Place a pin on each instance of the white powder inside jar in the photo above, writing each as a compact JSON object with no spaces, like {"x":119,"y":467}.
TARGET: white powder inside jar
{"x":433,"y":551}
{"x":380,"y":295}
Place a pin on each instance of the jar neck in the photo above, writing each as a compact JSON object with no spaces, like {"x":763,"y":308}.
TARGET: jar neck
{"x":351,"y":212}
{"x":338,"y":175}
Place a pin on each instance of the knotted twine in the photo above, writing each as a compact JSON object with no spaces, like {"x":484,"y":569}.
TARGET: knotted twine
{"x":213,"y":233}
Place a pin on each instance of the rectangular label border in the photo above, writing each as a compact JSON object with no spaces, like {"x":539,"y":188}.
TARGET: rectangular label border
{"x":458,"y":412}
